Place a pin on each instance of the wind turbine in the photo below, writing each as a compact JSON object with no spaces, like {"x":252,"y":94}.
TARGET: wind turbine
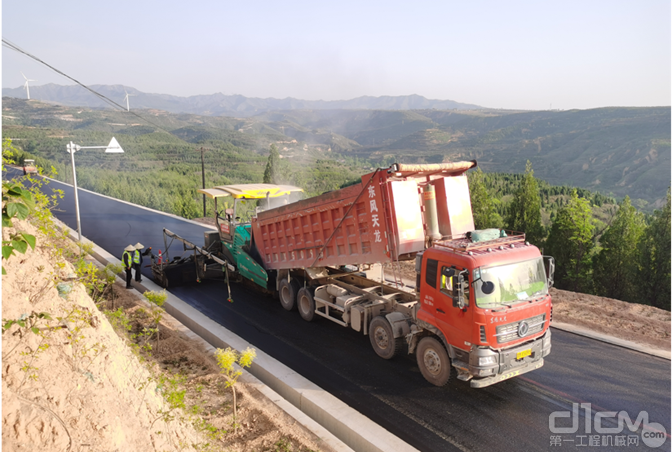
{"x":128,"y":107}
{"x":26,"y":85}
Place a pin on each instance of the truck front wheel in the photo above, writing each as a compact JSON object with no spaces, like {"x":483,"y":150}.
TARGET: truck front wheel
{"x":382,"y":338}
{"x":306,"y":304}
{"x":433,"y":361}
{"x":287,"y":293}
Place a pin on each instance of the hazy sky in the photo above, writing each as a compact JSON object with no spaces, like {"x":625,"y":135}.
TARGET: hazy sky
{"x":499,"y":54}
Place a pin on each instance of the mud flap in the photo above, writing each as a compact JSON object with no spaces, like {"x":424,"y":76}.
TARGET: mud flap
{"x":399,"y":324}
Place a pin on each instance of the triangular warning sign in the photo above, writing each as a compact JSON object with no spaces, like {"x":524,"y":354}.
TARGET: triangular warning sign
{"x":113,"y":147}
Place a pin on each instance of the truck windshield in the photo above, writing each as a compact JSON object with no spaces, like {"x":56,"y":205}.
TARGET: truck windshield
{"x":510,"y":283}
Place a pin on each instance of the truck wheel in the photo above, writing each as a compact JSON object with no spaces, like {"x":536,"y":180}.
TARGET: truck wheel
{"x":287,"y":293}
{"x":382,"y":338}
{"x":306,"y":304}
{"x":433,"y":361}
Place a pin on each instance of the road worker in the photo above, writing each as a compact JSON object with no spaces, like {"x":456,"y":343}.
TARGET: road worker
{"x":137,"y":260}
{"x":127,"y":262}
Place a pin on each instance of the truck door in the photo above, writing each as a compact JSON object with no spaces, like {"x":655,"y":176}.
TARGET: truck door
{"x":455,"y":323}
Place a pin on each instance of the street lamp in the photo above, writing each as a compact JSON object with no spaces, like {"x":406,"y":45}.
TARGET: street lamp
{"x":112,"y":148}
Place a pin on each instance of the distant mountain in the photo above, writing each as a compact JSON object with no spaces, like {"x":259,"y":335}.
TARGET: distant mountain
{"x":220,"y":104}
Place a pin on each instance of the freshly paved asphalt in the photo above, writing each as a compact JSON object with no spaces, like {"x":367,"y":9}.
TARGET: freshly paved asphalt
{"x":512,"y":415}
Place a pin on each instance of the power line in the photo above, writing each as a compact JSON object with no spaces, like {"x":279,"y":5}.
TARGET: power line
{"x":16,"y":48}
{"x":10,"y":45}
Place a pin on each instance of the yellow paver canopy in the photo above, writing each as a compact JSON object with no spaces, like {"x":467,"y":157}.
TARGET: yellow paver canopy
{"x":249,"y":191}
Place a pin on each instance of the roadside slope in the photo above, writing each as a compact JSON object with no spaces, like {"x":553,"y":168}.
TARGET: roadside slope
{"x":72,"y":383}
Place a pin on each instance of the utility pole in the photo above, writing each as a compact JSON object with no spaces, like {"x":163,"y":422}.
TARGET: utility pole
{"x":205,"y":214}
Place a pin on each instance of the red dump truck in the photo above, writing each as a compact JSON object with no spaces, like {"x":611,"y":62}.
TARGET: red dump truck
{"x":29,"y":167}
{"x":481,"y":300}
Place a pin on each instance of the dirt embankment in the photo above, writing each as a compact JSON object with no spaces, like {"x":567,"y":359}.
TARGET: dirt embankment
{"x":71,"y":382}
{"x":630,"y":321}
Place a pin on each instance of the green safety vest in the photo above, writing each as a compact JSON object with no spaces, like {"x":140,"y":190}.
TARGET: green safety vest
{"x":123,"y":258}
{"x":136,"y":257}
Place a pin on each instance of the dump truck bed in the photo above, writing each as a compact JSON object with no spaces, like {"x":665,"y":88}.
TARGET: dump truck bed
{"x":376,"y":220}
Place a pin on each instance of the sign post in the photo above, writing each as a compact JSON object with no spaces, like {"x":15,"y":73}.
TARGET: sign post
{"x":112,"y":148}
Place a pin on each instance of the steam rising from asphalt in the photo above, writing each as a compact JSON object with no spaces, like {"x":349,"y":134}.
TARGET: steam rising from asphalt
{"x":272,"y":203}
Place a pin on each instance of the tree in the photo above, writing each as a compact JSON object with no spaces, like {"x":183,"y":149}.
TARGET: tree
{"x":654,"y":251}
{"x":184,"y":204}
{"x":226,"y":360}
{"x":615,"y":266}
{"x":271,"y":171}
{"x":482,"y":204}
{"x":525,"y":209}
{"x":570,"y":242}
{"x":17,"y":202}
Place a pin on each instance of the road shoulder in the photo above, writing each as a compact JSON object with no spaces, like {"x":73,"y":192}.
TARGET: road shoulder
{"x":642,"y":348}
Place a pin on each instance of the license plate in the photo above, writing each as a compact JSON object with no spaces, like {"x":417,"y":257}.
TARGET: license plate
{"x":524,"y":353}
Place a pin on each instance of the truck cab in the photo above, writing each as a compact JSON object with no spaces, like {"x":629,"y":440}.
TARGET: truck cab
{"x":29,"y":167}
{"x":489,"y":304}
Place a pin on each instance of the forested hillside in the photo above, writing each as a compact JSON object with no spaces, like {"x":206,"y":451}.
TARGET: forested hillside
{"x":616,"y":151}
{"x":161,"y":166}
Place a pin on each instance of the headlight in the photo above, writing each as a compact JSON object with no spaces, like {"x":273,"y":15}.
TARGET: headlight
{"x":485,"y":360}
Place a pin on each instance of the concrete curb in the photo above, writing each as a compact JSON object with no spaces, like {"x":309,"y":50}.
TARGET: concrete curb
{"x":340,"y":426}
{"x":665,"y":354}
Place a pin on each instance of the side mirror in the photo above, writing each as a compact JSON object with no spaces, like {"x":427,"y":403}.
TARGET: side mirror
{"x":488,"y":287}
{"x":549,"y":263}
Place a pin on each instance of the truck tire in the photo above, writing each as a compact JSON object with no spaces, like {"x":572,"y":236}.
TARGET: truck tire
{"x":433,"y":361}
{"x":382,"y":338}
{"x":287,"y":293}
{"x":306,"y":304}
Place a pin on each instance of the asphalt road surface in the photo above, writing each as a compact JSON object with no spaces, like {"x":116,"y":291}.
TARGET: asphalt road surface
{"x":510,"y":416}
